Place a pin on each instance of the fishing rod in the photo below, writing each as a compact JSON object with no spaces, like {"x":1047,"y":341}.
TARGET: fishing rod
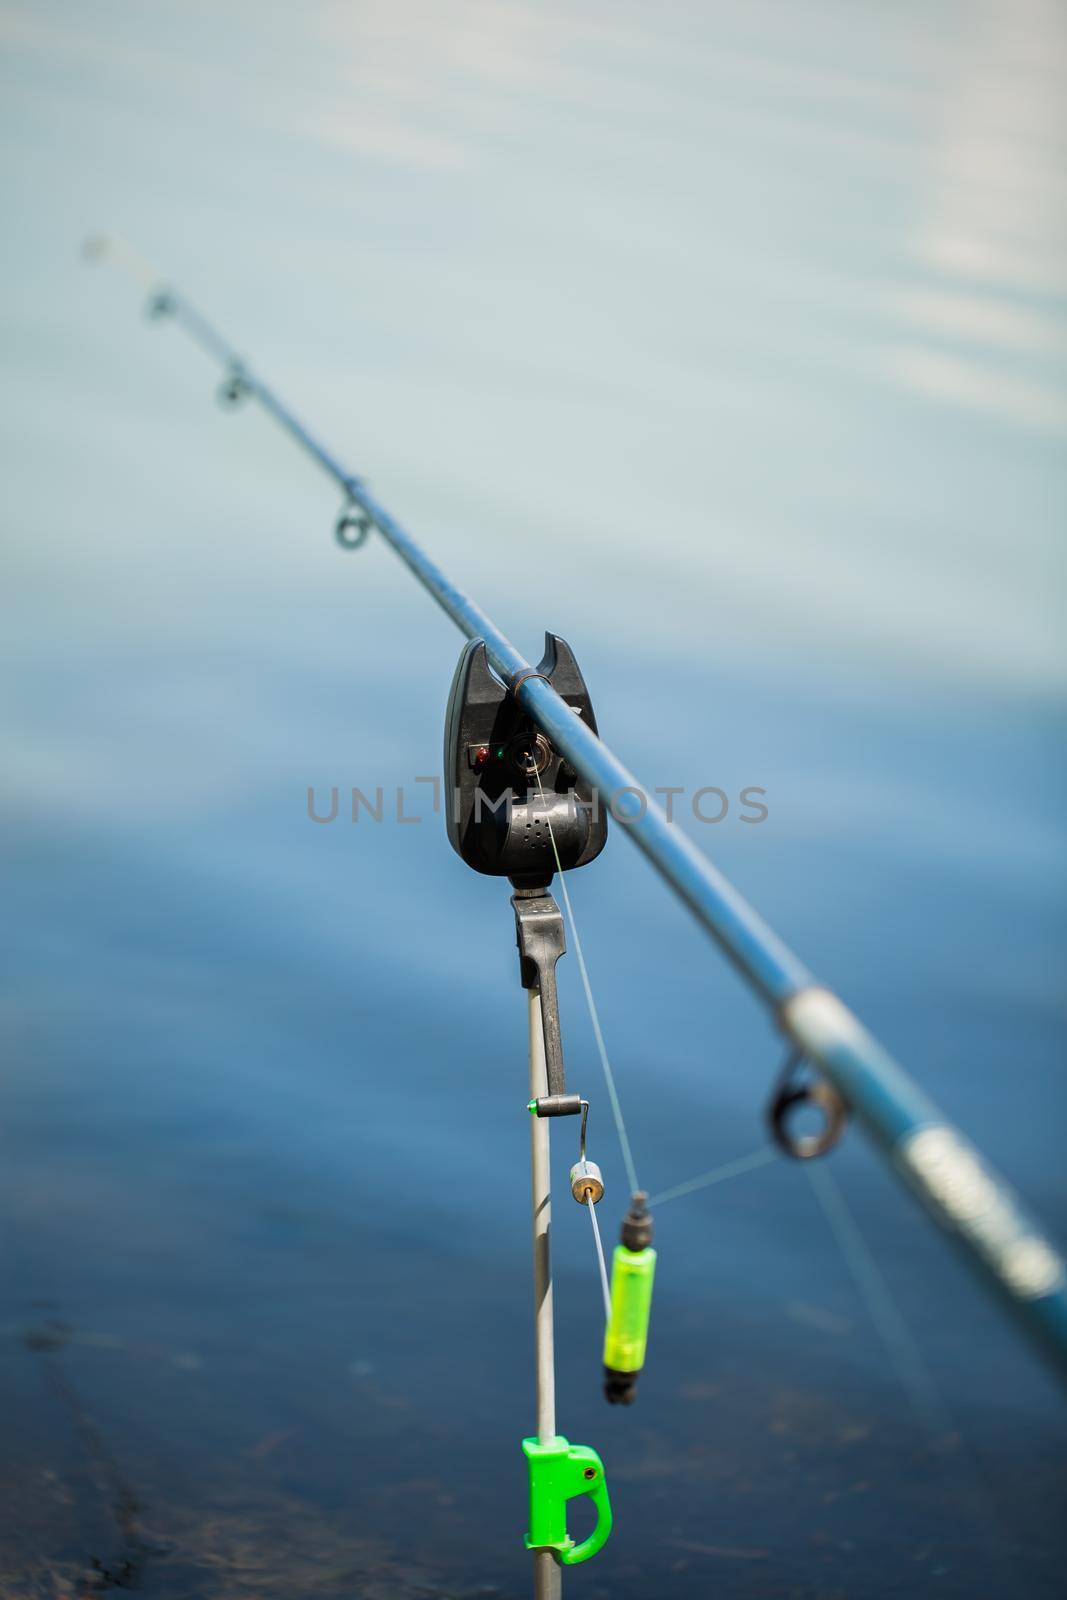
{"x":853,"y":1073}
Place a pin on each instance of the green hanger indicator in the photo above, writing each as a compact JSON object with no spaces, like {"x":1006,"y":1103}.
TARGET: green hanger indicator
{"x":626,"y":1335}
{"x":633,"y":1268}
{"x":559,"y":1471}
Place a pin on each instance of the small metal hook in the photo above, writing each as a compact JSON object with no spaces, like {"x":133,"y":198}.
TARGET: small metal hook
{"x":233,"y":389}
{"x":587,"y":1182}
{"x":352,"y":526}
{"x":788,"y":1096}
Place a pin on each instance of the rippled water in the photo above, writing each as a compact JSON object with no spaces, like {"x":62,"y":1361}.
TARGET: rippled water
{"x":729,"y":343}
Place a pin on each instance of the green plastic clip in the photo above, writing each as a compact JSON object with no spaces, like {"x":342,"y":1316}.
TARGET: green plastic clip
{"x":559,"y":1471}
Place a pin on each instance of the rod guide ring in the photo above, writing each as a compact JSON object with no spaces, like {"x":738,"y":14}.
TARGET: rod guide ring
{"x":818,"y":1095}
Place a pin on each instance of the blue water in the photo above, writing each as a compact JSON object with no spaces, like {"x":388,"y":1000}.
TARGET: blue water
{"x":729,"y":343}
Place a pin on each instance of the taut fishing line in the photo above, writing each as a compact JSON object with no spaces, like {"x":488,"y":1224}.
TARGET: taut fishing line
{"x":898,"y":1341}
{"x":905,"y":1355}
{"x":594,"y":1017}
{"x":600,"y":1258}
{"x":732,"y":1169}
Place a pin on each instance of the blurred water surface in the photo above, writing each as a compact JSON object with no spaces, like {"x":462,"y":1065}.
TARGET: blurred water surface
{"x":728,"y":342}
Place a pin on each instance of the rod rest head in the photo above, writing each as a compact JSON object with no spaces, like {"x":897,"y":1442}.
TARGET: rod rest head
{"x":498,"y":765}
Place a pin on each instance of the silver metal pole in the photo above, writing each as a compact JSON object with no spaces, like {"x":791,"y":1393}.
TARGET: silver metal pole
{"x":548,"y":1576}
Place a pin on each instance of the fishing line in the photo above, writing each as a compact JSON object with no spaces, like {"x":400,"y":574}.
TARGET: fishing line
{"x":732,"y":1169}
{"x":905,"y":1355}
{"x":591,"y":1208}
{"x":899,"y":1342}
{"x":609,"y":1076}
{"x":759,"y":1158}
